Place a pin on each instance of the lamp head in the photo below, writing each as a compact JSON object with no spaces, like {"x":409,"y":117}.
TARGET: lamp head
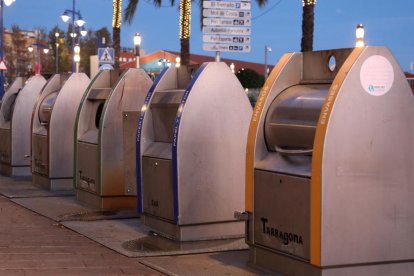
{"x":76,"y":49}
{"x":80,"y":22}
{"x":359,"y":33}
{"x":65,"y":16}
{"x":83,"y":32}
{"x":8,"y":2}
{"x":137,"y":39}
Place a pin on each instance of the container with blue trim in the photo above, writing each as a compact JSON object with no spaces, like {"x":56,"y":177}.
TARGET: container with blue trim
{"x":191,"y":147}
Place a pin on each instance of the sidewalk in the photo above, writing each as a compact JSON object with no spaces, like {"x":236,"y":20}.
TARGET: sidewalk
{"x":36,"y":239}
{"x":31,"y":244}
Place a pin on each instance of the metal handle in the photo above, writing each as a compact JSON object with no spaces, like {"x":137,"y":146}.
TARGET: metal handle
{"x":294,"y":151}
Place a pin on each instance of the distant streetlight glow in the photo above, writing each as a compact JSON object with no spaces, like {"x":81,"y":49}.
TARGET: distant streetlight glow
{"x":137,"y":44}
{"x":77,"y":25}
{"x":7,"y":3}
{"x":76,"y":57}
{"x":57,"y":34}
{"x":177,"y":62}
{"x":83,"y":32}
{"x":359,"y":33}
{"x":267,"y":50}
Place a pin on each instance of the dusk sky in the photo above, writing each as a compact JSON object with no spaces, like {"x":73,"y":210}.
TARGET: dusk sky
{"x":278,"y":25}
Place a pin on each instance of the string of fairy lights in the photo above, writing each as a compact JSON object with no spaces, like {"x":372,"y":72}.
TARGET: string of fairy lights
{"x":185,"y":19}
{"x":308,"y":2}
{"x":117,"y":14}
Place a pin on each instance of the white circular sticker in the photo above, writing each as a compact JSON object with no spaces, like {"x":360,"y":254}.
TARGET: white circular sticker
{"x":377,"y":75}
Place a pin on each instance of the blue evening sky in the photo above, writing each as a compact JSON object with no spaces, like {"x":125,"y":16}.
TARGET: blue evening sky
{"x":277,"y":25}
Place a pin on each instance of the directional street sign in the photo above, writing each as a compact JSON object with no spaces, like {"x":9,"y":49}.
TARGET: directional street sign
{"x":226,"y":22}
{"x":226,"y":25}
{"x":226,"y":39}
{"x":226,"y":5}
{"x":226,"y":30}
{"x":106,"y":56}
{"x":227,"y":48}
{"x":226,"y":13}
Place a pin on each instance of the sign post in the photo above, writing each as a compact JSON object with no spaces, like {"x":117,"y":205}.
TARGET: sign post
{"x":226,"y":26}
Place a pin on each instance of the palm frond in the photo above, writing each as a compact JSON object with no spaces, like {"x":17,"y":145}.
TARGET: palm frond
{"x":130,"y":10}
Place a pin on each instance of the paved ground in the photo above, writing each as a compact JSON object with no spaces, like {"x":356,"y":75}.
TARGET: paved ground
{"x":31,"y":244}
{"x":34,"y":241}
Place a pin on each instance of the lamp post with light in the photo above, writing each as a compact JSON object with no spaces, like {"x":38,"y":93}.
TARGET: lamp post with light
{"x":76,"y":57}
{"x":164,"y":62}
{"x":360,"y":33}
{"x":38,"y":47}
{"x":79,"y":22}
{"x":177,"y":62}
{"x":232,"y":67}
{"x":57,"y":51}
{"x":2,"y":3}
{"x":267,"y":50}
{"x":137,"y":43}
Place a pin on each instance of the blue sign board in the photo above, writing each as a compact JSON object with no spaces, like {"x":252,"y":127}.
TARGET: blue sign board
{"x":106,"y":56}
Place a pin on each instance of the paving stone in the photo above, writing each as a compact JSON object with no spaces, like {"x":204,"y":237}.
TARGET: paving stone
{"x":32,"y":245}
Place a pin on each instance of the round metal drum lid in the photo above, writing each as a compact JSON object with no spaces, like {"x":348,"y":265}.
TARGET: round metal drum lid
{"x":291,"y":119}
{"x":46,"y":107}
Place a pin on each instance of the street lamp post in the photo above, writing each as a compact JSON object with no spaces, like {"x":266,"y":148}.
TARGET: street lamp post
{"x":359,"y":33}
{"x":267,"y":49}
{"x":2,"y":3}
{"x":137,"y":43}
{"x":232,"y":67}
{"x":38,"y":69}
{"x":177,"y":62}
{"x":30,"y":49}
{"x":79,"y":23}
{"x":38,"y":46}
{"x":164,"y":62}
{"x":57,"y":51}
{"x":76,"y":57}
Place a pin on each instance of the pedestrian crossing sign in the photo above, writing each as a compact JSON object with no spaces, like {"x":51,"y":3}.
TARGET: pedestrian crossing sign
{"x":3,"y":66}
{"x":106,"y":56}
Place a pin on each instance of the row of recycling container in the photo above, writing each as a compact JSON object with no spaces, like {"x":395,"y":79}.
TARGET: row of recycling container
{"x":318,"y":178}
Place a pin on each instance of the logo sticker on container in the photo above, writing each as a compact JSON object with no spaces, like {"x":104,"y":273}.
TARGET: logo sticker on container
{"x":377,"y":75}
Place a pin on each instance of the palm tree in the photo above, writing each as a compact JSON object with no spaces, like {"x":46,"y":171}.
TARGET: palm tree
{"x":116,"y":30}
{"x":185,"y":21}
{"x":307,"y":25}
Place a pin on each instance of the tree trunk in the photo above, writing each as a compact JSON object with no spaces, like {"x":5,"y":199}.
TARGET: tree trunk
{"x":307,"y":27}
{"x":116,"y":38}
{"x":116,"y":30}
{"x":185,"y":51}
{"x":185,"y":30}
